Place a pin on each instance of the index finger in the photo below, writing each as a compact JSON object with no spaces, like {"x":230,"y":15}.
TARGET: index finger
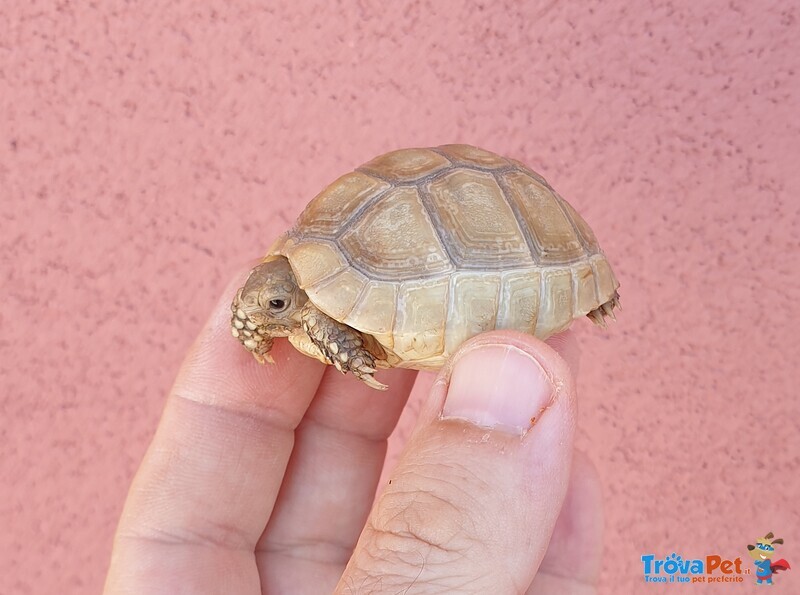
{"x":209,"y":480}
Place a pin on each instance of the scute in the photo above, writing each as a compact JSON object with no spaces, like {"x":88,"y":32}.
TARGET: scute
{"x":331,"y":209}
{"x":585,"y":288}
{"x":420,"y":320}
{"x":583,"y":229}
{"x":555,"y":307}
{"x":476,"y":222}
{"x":519,"y":300}
{"x":472,"y":308}
{"x":405,"y":165}
{"x":606,"y":282}
{"x":551,"y":232}
{"x":313,"y":261}
{"x":395,"y":239}
{"x":339,"y":293}
{"x":374,"y":311}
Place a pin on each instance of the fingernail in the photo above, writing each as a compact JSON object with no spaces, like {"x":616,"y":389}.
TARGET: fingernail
{"x":499,"y":387}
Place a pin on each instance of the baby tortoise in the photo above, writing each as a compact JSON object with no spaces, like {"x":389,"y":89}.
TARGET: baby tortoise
{"x":399,"y":262}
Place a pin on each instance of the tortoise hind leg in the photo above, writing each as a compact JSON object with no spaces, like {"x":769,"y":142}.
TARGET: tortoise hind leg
{"x":343,"y":346}
{"x":598,"y":315}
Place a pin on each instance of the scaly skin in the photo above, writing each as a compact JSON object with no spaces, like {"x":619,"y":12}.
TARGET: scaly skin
{"x":272,"y":305}
{"x":342,"y":345}
{"x":254,"y":338}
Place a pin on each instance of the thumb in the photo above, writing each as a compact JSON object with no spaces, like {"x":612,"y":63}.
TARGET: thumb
{"x":473,"y":500}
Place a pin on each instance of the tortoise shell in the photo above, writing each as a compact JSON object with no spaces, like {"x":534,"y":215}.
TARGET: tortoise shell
{"x":425,"y":248}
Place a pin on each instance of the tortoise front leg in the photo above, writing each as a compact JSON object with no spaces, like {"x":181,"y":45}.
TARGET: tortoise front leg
{"x":342,"y":345}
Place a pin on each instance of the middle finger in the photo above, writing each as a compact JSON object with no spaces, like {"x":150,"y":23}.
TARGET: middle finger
{"x":330,"y":482}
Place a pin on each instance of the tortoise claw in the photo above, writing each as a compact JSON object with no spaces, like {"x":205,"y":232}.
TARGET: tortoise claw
{"x":608,"y":310}
{"x":263,"y":358}
{"x":370,"y":381}
{"x":598,"y":315}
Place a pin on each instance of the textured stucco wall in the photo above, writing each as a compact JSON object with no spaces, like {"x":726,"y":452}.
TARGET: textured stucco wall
{"x":147,"y":149}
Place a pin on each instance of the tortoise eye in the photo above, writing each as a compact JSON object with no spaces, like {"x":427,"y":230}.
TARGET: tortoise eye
{"x":278,"y":305}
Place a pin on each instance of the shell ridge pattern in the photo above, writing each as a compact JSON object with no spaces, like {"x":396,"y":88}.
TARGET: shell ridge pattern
{"x":515,"y":208}
{"x":447,"y":294}
{"x":324,"y":280}
{"x":542,"y":298}
{"x":433,"y":176}
{"x":416,"y":182}
{"x":463,"y":262}
{"x":438,"y":224}
{"x":537,"y":248}
{"x":596,"y":276}
{"x":586,"y":247}
{"x":476,"y":166}
{"x":402,"y":303}
{"x":453,"y":307}
{"x":361,"y":213}
{"x":322,"y":284}
{"x":421,"y":185}
{"x":362,"y":208}
{"x":361,"y":295}
{"x":423,"y":248}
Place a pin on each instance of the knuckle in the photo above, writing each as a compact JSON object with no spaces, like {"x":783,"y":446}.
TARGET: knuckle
{"x":427,"y":510}
{"x":428,"y":530}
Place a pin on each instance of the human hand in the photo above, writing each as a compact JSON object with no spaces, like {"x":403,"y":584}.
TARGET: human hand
{"x":261,"y":479}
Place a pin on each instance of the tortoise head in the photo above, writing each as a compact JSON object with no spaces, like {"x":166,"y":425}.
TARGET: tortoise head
{"x":268,"y":306}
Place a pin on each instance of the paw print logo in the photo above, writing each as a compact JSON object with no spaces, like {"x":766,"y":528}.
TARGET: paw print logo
{"x":672,"y":563}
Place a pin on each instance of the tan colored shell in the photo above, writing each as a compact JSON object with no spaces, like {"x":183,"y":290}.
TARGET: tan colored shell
{"x":425,"y":248}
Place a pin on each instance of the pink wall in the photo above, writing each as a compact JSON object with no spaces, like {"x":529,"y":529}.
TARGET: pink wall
{"x":145,"y":153}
